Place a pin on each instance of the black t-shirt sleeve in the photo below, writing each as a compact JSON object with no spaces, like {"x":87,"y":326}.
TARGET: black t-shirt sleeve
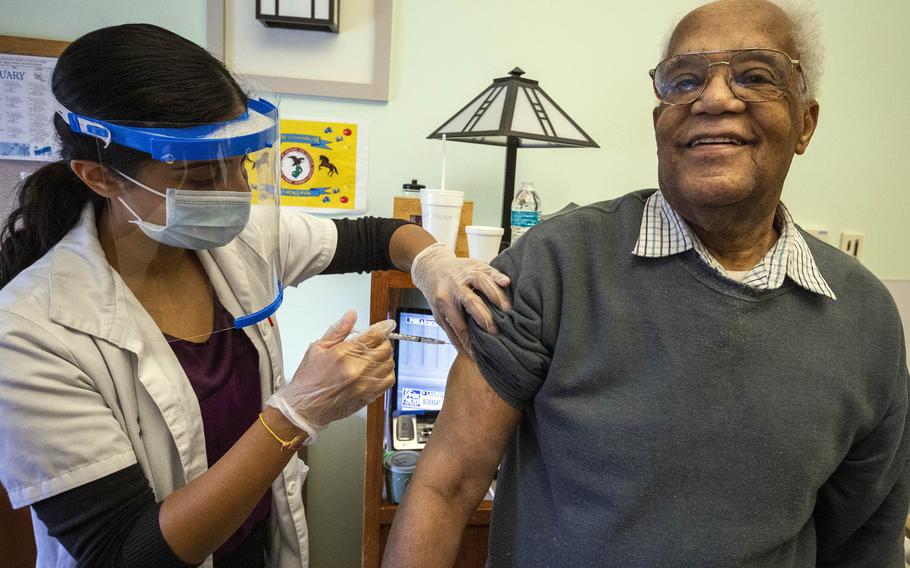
{"x":112,"y":521}
{"x":363,"y":244}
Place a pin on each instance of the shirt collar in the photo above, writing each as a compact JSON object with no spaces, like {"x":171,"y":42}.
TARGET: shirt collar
{"x":664,"y":232}
{"x":80,"y":276}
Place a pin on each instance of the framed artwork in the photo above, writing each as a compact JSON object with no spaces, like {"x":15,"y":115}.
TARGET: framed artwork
{"x":353,"y":64}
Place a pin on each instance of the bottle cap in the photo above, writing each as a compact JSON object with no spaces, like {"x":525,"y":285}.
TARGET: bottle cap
{"x":412,"y":187}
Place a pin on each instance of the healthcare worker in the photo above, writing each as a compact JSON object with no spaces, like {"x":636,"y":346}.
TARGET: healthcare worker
{"x":144,"y":413}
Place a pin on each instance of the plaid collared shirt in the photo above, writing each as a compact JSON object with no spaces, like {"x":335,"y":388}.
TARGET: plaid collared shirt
{"x":664,"y":233}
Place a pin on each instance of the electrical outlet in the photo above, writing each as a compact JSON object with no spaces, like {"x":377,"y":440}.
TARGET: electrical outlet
{"x":851,"y":242}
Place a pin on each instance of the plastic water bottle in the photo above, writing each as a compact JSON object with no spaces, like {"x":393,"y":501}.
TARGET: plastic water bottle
{"x":525,"y":210}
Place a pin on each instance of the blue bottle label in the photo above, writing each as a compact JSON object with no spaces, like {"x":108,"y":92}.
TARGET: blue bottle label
{"x":525,"y":218}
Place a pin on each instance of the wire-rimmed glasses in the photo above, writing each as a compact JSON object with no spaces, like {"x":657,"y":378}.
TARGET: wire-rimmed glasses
{"x":754,"y":75}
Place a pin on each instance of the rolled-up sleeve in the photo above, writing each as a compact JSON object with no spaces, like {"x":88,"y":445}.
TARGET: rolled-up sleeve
{"x":515,"y":361}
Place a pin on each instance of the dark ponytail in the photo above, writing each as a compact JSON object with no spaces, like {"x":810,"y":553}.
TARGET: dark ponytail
{"x":133,"y":72}
{"x":49,"y":204}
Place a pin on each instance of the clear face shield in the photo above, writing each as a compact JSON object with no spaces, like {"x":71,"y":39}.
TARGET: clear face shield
{"x":198,"y":211}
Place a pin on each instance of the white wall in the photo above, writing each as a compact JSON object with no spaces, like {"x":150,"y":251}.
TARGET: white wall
{"x":593,"y":60}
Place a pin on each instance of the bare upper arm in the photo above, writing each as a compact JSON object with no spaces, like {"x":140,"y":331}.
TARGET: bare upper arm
{"x":470,"y":435}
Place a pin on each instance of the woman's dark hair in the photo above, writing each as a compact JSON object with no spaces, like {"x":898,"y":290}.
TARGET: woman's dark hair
{"x":133,"y":72}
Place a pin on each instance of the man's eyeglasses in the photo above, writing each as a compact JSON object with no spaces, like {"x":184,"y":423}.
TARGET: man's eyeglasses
{"x":754,"y":75}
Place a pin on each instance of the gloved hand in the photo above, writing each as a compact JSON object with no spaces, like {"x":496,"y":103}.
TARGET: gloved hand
{"x":338,"y":377}
{"x":449,"y":284}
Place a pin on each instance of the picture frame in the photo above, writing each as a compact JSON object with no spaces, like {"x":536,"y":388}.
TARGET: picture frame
{"x":375,"y":90}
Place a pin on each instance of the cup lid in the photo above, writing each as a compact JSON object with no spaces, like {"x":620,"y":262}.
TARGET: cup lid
{"x":484,"y":230}
{"x":442,"y":197}
{"x":402,"y":461}
{"x":443,"y":191}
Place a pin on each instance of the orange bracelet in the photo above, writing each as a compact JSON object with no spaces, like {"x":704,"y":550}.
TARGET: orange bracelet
{"x":293,"y":444}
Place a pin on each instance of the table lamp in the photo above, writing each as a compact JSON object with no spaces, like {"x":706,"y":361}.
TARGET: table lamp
{"x":516,"y":113}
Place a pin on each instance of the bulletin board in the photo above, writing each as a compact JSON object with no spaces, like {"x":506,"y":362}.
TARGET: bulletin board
{"x":13,"y":170}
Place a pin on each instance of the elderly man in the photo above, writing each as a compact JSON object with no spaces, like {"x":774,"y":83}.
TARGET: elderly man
{"x":686,"y":377}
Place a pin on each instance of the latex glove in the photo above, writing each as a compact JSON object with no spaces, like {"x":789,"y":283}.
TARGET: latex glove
{"x":338,"y":377}
{"x":449,"y":284}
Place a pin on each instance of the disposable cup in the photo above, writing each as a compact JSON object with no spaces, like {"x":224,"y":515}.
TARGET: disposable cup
{"x":483,"y":242}
{"x":441,"y":211}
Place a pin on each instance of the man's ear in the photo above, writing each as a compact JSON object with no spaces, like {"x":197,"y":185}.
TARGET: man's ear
{"x":655,"y":114}
{"x":99,"y":178}
{"x":810,"y":123}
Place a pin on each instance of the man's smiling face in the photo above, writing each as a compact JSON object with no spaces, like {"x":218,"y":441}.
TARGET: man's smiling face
{"x":719,"y":151}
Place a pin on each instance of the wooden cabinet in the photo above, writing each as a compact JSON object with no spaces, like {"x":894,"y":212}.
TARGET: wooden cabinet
{"x":17,"y":542}
{"x":378,"y":514}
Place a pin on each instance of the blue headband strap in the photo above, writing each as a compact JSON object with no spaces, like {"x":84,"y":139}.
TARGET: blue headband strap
{"x":180,"y":144}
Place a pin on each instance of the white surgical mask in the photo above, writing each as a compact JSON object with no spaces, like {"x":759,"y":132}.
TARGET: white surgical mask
{"x":196,"y":220}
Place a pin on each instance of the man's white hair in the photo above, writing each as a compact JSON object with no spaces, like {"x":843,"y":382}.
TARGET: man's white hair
{"x":806,"y":36}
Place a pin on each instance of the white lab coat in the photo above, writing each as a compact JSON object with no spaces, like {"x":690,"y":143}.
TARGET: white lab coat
{"x":89,"y":386}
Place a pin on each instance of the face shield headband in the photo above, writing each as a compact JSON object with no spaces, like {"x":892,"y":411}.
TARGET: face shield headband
{"x":255,"y":129}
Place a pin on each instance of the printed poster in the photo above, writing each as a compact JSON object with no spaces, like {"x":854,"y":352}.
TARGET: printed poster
{"x":27,"y":108}
{"x":323,"y":165}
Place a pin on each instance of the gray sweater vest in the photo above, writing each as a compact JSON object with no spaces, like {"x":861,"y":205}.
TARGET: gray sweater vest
{"x":674,"y":417}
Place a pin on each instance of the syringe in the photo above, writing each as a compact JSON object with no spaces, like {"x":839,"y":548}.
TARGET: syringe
{"x":414,"y":338}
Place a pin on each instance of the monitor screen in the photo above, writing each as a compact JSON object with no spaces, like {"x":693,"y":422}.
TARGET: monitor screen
{"x":421,"y":368}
